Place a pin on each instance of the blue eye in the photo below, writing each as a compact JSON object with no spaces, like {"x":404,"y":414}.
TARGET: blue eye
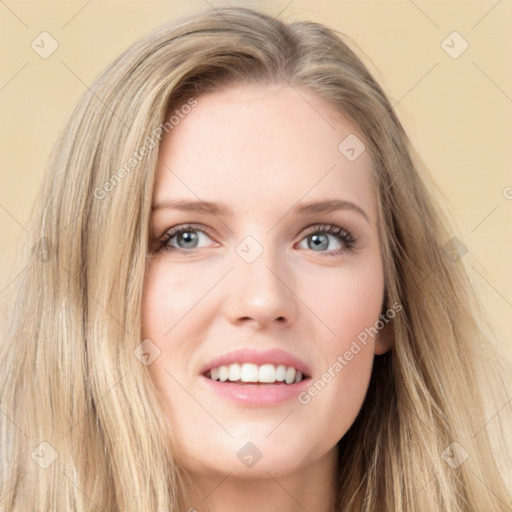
{"x":187,"y":237}
{"x":317,"y":239}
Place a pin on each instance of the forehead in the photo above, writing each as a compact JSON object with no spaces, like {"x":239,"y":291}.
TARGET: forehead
{"x":256,"y":145}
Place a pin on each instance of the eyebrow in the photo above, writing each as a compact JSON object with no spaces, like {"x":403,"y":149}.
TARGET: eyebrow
{"x":207,"y":207}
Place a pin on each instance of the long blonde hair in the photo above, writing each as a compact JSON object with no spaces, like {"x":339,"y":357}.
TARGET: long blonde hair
{"x":81,"y":428}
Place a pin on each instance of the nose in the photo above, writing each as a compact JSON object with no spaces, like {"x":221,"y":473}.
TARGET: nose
{"x":260,"y":294}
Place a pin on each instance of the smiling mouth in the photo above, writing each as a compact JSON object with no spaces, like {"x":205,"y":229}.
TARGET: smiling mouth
{"x":252,"y":374}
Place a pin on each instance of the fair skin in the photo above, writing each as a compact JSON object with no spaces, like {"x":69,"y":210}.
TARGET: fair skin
{"x":261,"y":150}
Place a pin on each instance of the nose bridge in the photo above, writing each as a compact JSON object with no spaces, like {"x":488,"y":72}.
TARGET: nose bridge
{"x":261,"y":287}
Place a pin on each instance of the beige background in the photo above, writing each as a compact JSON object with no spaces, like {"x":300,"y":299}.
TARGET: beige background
{"x":456,"y":110}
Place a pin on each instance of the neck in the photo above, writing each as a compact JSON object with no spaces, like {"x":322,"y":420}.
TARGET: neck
{"x":312,"y":487}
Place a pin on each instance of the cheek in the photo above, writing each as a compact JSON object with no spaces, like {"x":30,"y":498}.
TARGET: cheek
{"x":348,"y":301}
{"x":166,"y":293}
{"x":171,"y":292}
{"x":167,"y":298}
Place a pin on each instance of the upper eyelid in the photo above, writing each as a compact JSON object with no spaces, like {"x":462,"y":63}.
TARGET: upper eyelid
{"x":324,"y":227}
{"x":184,"y":226}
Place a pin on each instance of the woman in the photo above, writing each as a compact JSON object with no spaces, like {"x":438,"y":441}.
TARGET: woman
{"x":240,"y":293}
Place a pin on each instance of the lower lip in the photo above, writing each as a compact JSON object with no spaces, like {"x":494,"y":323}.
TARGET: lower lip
{"x":256,"y":395}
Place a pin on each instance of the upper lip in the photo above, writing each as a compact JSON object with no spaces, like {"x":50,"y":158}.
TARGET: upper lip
{"x":248,"y":355}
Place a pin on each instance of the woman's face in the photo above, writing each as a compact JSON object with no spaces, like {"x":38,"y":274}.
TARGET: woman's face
{"x":250,"y":292}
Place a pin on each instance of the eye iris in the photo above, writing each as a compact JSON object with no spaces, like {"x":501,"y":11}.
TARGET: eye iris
{"x":190,"y":238}
{"x":318,"y":243}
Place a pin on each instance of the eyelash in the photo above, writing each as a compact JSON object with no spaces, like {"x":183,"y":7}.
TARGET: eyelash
{"x":342,"y":234}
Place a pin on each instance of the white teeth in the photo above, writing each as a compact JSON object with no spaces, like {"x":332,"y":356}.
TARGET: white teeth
{"x":290,"y":375}
{"x":223,"y":373}
{"x":249,"y":372}
{"x":234,"y":372}
{"x":280,"y":373}
{"x":267,"y":373}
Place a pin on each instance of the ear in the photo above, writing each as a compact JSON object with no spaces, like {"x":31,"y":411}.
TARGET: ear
{"x":384,"y":339}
